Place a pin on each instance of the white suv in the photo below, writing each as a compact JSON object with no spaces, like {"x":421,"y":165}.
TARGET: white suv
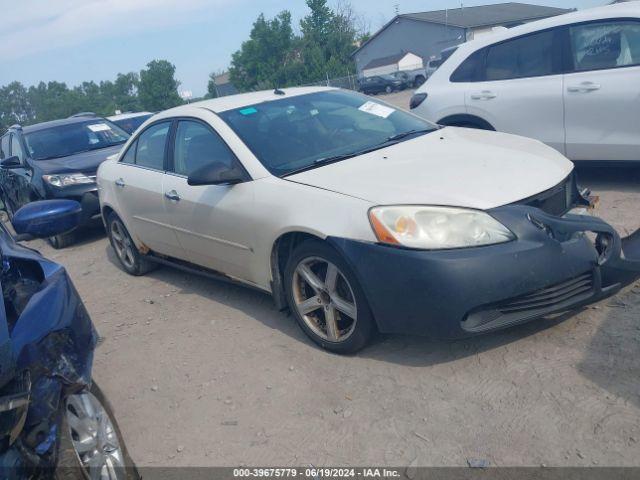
{"x":571,"y":81}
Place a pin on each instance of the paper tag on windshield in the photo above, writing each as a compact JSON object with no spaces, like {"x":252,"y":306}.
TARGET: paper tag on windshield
{"x":376,"y":109}
{"x":99,"y":127}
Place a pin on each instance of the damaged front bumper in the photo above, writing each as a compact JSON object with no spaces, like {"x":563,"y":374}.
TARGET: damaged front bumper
{"x":556,"y":264}
{"x":46,"y":352}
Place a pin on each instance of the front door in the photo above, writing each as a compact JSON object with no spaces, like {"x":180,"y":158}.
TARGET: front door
{"x":602,"y":91}
{"x":18,"y":180}
{"x":210,"y":221}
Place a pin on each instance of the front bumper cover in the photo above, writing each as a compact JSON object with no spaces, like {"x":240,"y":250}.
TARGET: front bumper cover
{"x":553,"y":266}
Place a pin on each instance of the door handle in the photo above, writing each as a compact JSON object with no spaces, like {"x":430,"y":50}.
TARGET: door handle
{"x":120,"y":183}
{"x":584,"y":87}
{"x":172,"y":195}
{"x":484,"y":95}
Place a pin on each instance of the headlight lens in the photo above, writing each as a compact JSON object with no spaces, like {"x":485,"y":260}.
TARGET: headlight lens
{"x":435,"y":228}
{"x":66,"y":180}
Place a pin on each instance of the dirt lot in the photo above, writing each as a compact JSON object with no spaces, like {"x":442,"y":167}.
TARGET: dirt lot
{"x":204,"y":373}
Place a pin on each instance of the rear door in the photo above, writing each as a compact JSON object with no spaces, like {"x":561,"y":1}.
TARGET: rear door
{"x":212,"y":222}
{"x":520,"y":87}
{"x":602,"y":91}
{"x":139,"y":190}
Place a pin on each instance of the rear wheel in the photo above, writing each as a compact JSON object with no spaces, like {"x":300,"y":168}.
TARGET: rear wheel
{"x":131,"y":260}
{"x":326,"y":299}
{"x":91,"y":444}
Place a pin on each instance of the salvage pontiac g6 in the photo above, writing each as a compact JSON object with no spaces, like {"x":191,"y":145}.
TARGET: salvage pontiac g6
{"x":360,"y":217}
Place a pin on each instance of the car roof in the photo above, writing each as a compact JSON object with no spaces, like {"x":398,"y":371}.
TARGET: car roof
{"x":57,"y":123}
{"x":232,"y":102}
{"x":630,"y":9}
{"x":124,"y":116}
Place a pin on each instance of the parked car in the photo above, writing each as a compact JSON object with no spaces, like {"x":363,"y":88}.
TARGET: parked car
{"x":380,"y":84}
{"x":360,"y":217}
{"x":130,"y":122}
{"x":56,"y":423}
{"x":57,"y":159}
{"x":570,"y":81}
{"x":411,"y":78}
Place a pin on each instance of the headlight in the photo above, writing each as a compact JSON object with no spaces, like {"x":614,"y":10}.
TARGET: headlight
{"x":434,"y":228}
{"x":66,"y":180}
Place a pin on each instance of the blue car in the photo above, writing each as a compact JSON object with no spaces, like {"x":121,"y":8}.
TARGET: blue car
{"x":54,"y":422}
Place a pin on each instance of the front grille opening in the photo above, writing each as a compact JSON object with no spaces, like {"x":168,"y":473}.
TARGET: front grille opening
{"x":555,"y":201}
{"x":549,"y":300}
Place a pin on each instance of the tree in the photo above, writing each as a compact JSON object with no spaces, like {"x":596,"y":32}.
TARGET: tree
{"x":268,"y":58}
{"x":15,"y":106}
{"x":212,"y":90}
{"x":158,"y":88}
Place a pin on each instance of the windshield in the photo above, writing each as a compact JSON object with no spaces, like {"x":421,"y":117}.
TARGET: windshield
{"x":73,"y":138}
{"x":131,"y":124}
{"x":299,"y":132}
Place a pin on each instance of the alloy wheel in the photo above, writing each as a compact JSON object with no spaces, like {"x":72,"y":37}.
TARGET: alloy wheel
{"x":94,"y":437}
{"x":324,"y":299}
{"x":122,"y":244}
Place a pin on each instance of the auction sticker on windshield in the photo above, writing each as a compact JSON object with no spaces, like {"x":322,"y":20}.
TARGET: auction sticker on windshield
{"x":99,"y":127}
{"x":376,"y":109}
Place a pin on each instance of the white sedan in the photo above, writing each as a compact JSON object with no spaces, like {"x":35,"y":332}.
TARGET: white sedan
{"x":359,"y":217}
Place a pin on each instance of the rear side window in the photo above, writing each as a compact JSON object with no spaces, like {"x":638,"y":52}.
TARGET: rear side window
{"x":605,"y":45}
{"x":530,"y":56}
{"x":151,"y":146}
{"x":198,"y":146}
{"x":469,"y":70}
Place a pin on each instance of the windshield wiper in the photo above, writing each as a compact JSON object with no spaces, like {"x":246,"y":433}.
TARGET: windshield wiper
{"x":402,"y":135}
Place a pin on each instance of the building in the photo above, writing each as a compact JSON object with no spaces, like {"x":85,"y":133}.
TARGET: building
{"x":394,"y":63}
{"x":426,"y":34}
{"x":224,"y":87}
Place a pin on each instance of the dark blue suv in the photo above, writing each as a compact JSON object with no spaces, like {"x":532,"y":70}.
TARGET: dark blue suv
{"x":54,"y":160}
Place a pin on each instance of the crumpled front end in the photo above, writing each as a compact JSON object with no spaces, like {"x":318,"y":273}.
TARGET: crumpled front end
{"x":46,"y":350}
{"x":555,"y":264}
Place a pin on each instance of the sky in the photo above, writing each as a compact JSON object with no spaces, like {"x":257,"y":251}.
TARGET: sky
{"x":80,"y":40}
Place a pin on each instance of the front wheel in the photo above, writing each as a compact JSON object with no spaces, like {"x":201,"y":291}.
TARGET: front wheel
{"x":131,"y":260}
{"x":91,"y":444}
{"x":388,"y":89}
{"x":326,"y":299}
{"x":62,"y":241}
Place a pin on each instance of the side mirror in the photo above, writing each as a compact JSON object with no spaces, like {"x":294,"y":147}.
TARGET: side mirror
{"x":46,"y":218}
{"x":11,"y":162}
{"x":217,"y":174}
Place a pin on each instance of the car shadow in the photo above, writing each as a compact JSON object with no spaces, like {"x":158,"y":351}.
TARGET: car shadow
{"x":612,"y":358}
{"x":88,"y":235}
{"x":625,"y":178}
{"x":399,"y":349}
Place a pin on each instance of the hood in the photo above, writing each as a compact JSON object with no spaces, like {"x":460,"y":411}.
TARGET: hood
{"x":85,"y":162}
{"x":452,"y":167}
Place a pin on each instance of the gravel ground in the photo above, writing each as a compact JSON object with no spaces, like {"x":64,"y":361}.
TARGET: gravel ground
{"x":203,"y":373}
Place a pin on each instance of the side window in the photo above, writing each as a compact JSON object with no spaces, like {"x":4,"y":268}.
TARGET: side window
{"x":4,"y":147}
{"x":530,"y":56}
{"x":151,"y":146}
{"x":130,"y":156}
{"x":197,"y":146}
{"x":603,"y":45}
{"x":469,"y":70}
{"x":16,"y":148}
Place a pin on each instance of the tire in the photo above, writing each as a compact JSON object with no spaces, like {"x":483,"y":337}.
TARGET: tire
{"x":69,"y":465}
{"x":129,"y":258}
{"x":341,"y":299}
{"x":62,"y":241}
{"x":419,"y":81}
{"x":388,"y":89}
